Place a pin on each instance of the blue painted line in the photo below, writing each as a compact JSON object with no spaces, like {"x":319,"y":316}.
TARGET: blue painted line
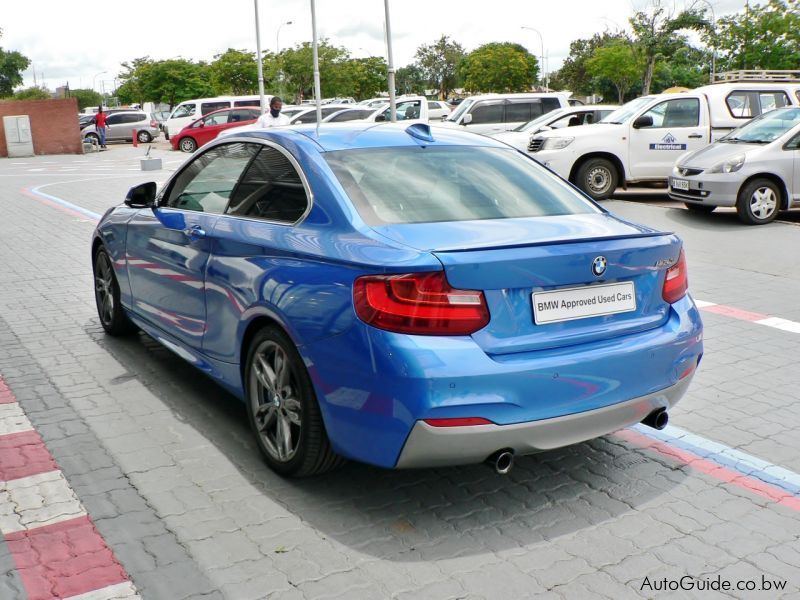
{"x":741,"y":462}
{"x":65,"y":204}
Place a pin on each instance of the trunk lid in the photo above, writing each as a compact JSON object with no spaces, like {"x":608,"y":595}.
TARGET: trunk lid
{"x":511,"y":259}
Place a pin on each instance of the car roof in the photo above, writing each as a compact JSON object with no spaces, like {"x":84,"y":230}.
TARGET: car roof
{"x":354,"y":135}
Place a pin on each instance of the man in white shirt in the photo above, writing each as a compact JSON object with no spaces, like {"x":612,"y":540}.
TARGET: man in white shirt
{"x":273,"y":117}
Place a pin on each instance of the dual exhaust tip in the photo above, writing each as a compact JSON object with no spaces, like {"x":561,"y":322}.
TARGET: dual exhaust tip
{"x":502,"y":461}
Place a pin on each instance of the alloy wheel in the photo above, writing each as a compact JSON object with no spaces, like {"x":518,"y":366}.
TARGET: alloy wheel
{"x":763,"y":203}
{"x":274,"y":401}
{"x":104,"y":288}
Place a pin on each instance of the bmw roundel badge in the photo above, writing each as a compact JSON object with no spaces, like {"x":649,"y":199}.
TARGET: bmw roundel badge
{"x":599,"y":265}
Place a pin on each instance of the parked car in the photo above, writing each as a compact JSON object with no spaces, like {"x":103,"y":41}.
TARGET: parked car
{"x":121,"y":125}
{"x":407,"y":108}
{"x":161,"y":117}
{"x":522,"y":137}
{"x":493,"y":113}
{"x":309,"y":115}
{"x":85,"y":120}
{"x":203,"y":130}
{"x":755,"y":168}
{"x":374,"y":102}
{"x":400,"y":295}
{"x":438,"y":110}
{"x":349,"y":114}
{"x":640,"y":141}
{"x":191,"y":110}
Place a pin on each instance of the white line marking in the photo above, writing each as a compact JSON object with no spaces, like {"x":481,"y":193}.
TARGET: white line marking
{"x":13,"y":419}
{"x":35,"y":501}
{"x":121,"y":591}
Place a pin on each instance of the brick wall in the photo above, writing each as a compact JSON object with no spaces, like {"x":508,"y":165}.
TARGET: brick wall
{"x":54,"y":124}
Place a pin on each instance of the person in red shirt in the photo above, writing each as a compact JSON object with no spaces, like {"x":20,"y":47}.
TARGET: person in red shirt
{"x":100,"y":124}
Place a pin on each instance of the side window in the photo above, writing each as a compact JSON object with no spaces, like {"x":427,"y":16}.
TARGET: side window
{"x":184,"y":110}
{"x":207,"y":182}
{"x":681,"y":112}
{"x":487,"y":112}
{"x":572,"y":120}
{"x":216,"y":119}
{"x":114,"y":120}
{"x":549,"y":104}
{"x":794,"y":143}
{"x":520,"y":112}
{"x":433,"y":106}
{"x":242,"y":114}
{"x":772,"y":100}
{"x":405,"y":110}
{"x":132,"y":118}
{"x":247,"y":103}
{"x":271,"y":189}
{"x":207,"y":107}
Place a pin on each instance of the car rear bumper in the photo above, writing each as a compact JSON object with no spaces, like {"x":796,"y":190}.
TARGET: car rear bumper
{"x":429,"y":446}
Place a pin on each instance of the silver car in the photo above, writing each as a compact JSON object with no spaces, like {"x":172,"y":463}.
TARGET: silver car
{"x":755,"y":168}
{"x":121,"y":125}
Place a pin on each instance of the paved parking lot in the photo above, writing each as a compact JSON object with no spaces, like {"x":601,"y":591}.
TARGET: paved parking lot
{"x":156,"y":463}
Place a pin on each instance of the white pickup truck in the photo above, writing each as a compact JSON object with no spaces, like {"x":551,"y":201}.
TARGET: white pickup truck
{"x":640,"y":141}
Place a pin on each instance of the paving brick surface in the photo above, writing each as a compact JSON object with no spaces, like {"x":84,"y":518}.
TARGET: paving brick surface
{"x":163,"y":461}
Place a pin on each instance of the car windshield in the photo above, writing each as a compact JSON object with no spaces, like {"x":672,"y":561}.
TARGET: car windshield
{"x":453,"y":183}
{"x":462,"y":108}
{"x":539,"y":120}
{"x":626,"y":111}
{"x":765,"y":128}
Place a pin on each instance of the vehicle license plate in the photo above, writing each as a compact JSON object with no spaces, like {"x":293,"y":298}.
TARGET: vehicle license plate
{"x":583,"y":302}
{"x":680,"y":184}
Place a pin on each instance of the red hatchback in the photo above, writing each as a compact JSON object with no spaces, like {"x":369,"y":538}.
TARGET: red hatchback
{"x":206,"y":128}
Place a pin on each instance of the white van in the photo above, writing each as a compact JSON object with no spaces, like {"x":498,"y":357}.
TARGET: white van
{"x":493,"y":113}
{"x":189,"y":110}
{"x":640,"y":141}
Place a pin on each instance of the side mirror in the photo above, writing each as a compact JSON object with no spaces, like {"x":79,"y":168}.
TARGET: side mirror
{"x":201,"y":124}
{"x":467,"y":119}
{"x":142,"y":195}
{"x":643,"y":121}
{"x":380,"y":118}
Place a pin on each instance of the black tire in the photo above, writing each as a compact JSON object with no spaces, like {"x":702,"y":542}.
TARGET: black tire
{"x":598,"y":178}
{"x":759,"y":202}
{"x":187,"y":144}
{"x":144,"y":137}
{"x":166,"y":133}
{"x":700,"y":208}
{"x":106,"y":296}
{"x":93,"y":139}
{"x":280,"y":399}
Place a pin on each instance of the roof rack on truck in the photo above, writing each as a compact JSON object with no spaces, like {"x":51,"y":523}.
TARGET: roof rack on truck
{"x":756,"y":75}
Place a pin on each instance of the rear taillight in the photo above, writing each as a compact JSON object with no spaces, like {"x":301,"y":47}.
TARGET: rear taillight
{"x":154,"y":123}
{"x":419,"y":303}
{"x":676,"y":282}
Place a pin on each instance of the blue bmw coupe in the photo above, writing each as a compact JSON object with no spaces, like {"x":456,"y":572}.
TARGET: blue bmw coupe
{"x":399,"y":295}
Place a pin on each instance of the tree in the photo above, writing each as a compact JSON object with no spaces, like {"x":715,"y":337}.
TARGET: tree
{"x":86,"y":98}
{"x":573,"y":74}
{"x":617,"y":62}
{"x":12,"y":64}
{"x":499,"y":67}
{"x":763,"y":37}
{"x":33,"y":93}
{"x":687,"y":67}
{"x":410,"y":80}
{"x":655,"y":34}
{"x":297,"y":65}
{"x":169,"y":81}
{"x":366,"y":76}
{"x":439,"y":63}
{"x":234,"y":72}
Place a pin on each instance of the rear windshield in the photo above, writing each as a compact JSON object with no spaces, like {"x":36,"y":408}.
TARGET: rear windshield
{"x":461,"y":183}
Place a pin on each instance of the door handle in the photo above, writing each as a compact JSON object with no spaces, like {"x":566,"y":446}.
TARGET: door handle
{"x":195,"y":232}
{"x":695,"y":136}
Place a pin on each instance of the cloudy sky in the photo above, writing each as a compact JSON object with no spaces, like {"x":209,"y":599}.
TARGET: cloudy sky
{"x":84,"y":43}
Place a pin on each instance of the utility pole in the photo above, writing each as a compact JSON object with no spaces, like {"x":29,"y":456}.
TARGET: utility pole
{"x":262,"y":99}
{"x":390,"y":69}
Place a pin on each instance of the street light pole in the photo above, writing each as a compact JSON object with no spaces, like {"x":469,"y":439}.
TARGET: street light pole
{"x":95,"y":79}
{"x":541,"y":40}
{"x":262,"y":98}
{"x":277,"y":37}
{"x":315,"y":51}
{"x":390,"y":69}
